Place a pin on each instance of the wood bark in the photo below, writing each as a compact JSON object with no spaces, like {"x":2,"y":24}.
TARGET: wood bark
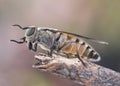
{"x":73,"y":69}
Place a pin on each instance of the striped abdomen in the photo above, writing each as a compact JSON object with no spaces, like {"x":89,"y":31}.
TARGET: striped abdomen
{"x":79,"y":46}
{"x":87,"y":52}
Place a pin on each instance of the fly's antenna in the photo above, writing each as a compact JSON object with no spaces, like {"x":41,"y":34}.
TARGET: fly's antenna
{"x":23,"y":28}
{"x":19,"y":42}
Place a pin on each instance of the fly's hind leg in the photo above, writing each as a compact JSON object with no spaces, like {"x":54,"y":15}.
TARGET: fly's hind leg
{"x":78,"y":56}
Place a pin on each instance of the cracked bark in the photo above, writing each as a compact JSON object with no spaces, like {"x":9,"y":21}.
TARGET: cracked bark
{"x":92,"y":75}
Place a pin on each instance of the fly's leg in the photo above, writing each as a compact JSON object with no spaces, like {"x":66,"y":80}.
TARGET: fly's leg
{"x":32,"y":47}
{"x":53,"y":45}
{"x":19,"y":42}
{"x":51,"y":49}
{"x":50,"y":52}
{"x":78,"y":56}
{"x":35,"y":47}
{"x":68,"y":55}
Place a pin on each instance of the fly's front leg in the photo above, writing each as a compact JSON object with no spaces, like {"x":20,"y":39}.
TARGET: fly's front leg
{"x":32,"y":47}
{"x":35,"y":47}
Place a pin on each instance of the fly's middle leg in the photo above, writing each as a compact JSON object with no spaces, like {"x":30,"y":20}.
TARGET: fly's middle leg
{"x":53,"y":44}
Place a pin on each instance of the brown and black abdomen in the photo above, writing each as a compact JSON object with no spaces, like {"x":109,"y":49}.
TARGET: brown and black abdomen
{"x":75,"y":45}
{"x":87,"y":52}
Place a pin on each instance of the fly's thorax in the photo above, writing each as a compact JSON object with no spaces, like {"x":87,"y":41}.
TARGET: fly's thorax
{"x":42,"y":28}
{"x":45,"y":38}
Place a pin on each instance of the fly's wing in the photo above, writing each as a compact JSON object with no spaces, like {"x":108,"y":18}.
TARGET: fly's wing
{"x":84,"y":37}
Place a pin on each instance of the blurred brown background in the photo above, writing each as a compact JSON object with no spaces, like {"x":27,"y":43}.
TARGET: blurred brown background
{"x":99,"y":19}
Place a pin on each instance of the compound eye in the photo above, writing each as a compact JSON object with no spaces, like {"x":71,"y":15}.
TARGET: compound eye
{"x":30,"y":31}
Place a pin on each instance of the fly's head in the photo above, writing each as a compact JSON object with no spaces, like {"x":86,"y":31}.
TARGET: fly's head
{"x":29,"y":33}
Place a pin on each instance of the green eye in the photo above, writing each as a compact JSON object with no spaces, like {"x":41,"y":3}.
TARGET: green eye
{"x":30,"y":31}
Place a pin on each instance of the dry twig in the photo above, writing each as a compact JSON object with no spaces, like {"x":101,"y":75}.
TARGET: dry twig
{"x":92,"y":75}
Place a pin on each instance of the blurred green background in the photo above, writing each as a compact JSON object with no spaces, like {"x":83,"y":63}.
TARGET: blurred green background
{"x":93,"y":18}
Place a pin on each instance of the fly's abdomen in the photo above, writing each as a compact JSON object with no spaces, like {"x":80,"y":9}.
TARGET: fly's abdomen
{"x":72,"y":45}
{"x":87,"y":52}
{"x":70,"y":49}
